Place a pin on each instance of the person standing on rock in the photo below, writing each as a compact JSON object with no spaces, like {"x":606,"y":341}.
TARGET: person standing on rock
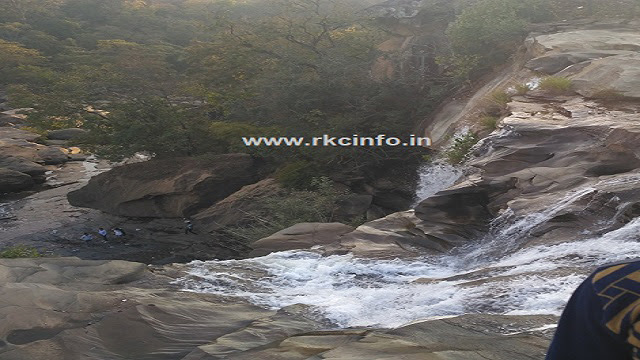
{"x":118,"y":233}
{"x":102,"y":232}
{"x":188,"y":227}
{"x":602,"y":319}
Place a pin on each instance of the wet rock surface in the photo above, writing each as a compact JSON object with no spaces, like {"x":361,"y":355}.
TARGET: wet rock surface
{"x":69,"y":308}
{"x":22,"y":152}
{"x":300,"y":236}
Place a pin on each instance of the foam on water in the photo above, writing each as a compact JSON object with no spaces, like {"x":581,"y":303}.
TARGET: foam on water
{"x":384,"y":293}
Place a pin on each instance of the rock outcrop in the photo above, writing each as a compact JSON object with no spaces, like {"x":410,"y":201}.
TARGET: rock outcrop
{"x":67,"y":308}
{"x":600,"y":62}
{"x":66,"y":134}
{"x":300,"y":236}
{"x":21,"y":152}
{"x":11,"y":180}
{"x":167,"y":188}
{"x":549,"y":149}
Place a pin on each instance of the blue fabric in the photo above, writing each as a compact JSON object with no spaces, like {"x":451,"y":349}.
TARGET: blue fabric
{"x":601,"y":320}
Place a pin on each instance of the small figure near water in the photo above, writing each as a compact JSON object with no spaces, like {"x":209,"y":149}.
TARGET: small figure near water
{"x":188,"y":227}
{"x":102,"y":232}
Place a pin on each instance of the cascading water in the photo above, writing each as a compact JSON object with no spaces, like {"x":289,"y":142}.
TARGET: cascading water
{"x":435,"y":177}
{"x":495,"y":275}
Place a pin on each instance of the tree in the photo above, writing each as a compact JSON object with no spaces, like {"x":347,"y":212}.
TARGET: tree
{"x":490,"y":30}
{"x":14,"y":55}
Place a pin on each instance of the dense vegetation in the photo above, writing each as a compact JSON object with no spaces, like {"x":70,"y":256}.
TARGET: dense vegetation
{"x":188,"y":77}
{"x":176,"y":78}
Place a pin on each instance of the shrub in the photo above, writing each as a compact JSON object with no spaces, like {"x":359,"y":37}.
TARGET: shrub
{"x":556,"y":85}
{"x":460,"y":148}
{"x":489,"y":122}
{"x":19,"y":251}
{"x":297,"y":175}
{"x":279,"y":212}
{"x":522,"y":89}
{"x":490,"y":29}
{"x":500,"y":97}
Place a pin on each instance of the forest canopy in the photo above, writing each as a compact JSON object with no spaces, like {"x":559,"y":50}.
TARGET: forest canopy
{"x":189,"y":77}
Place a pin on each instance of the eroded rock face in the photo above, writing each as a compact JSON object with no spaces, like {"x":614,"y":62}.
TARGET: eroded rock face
{"x":600,"y":62}
{"x":167,"y":188}
{"x":19,"y":151}
{"x":67,"y":308}
{"x":551,"y":150}
{"x":619,"y":75}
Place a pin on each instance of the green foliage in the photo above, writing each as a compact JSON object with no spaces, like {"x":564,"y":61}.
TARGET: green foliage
{"x":556,"y":85}
{"x":500,"y":97}
{"x":19,"y":251}
{"x":458,"y":151}
{"x":489,"y":122}
{"x":297,"y":175}
{"x":490,"y":29}
{"x":175,"y":78}
{"x":458,"y":66}
{"x":13,"y":56}
{"x":487,"y":32}
{"x":522,"y":89}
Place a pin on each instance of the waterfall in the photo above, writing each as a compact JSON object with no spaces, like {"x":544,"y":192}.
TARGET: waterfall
{"x":495,"y":275}
{"x":435,"y":177}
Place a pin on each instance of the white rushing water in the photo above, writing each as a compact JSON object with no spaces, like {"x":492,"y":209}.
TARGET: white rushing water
{"x":495,"y":275}
{"x":435,"y":177}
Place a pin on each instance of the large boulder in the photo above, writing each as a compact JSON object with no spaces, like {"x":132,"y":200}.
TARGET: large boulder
{"x":554,"y":63}
{"x":619,"y":75}
{"x":167,"y":188}
{"x":11,"y":181}
{"x":589,"y":40}
{"x":300,"y":236}
{"x":22,"y":165}
{"x":10,"y":120}
{"x":600,"y":62}
{"x":17,"y":134}
{"x":66,"y":134}
{"x":53,"y":155}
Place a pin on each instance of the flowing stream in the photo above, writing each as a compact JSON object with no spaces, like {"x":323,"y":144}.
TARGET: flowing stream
{"x":434,"y":178}
{"x":498,"y":274}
